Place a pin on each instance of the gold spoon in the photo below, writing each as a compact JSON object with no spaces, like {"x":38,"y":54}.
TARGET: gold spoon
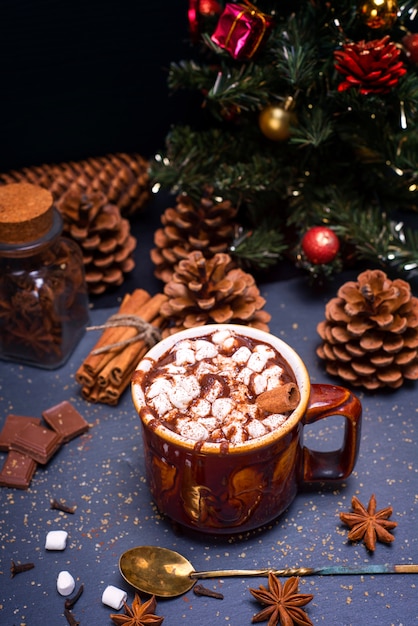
{"x":165,"y":573}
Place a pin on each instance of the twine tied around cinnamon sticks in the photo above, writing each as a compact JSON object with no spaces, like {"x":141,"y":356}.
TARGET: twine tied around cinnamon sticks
{"x":145,"y":331}
{"x":107,"y":370}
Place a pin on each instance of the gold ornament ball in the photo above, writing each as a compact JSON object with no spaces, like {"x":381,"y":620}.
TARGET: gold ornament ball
{"x":378,"y":14}
{"x":274,"y":122}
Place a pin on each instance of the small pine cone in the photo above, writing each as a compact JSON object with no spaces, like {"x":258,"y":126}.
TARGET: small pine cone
{"x":103,"y":236}
{"x":370,"y":334}
{"x":208,"y":228}
{"x":206,"y":291}
{"x":122,"y":178}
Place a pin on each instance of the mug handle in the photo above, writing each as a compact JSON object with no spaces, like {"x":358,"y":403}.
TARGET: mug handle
{"x":325,"y":401}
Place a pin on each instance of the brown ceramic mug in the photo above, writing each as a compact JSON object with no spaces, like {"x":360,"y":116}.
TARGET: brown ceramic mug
{"x":225,"y":489}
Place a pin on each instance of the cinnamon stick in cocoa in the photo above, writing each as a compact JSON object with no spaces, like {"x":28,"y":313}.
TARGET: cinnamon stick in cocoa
{"x":280,"y":399}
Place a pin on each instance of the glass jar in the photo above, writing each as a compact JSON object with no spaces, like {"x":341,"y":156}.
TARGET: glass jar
{"x":43,"y":293}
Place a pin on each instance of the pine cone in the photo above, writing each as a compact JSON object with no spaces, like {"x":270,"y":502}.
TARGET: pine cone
{"x":204,"y":291}
{"x":208,"y":228}
{"x":121,"y":177}
{"x":103,"y":236}
{"x":370,"y":334}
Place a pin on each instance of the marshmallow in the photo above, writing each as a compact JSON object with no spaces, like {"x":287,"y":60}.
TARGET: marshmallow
{"x":114,"y":597}
{"x":205,"y":350}
{"x":160,"y":385}
{"x":235,"y":433}
{"x":256,"y":429}
{"x":259,"y":383}
{"x":220,"y":336}
{"x":192,"y":430}
{"x":242,"y":355}
{"x":273,"y":376}
{"x":180,"y":397}
{"x":245,"y":375}
{"x":65,"y":583}
{"x":185,"y":355}
{"x":257,"y":362}
{"x":221,"y":407}
{"x":213,"y":391}
{"x":274,"y":420}
{"x":161,"y":403}
{"x":56,"y":540}
{"x":201,"y":408}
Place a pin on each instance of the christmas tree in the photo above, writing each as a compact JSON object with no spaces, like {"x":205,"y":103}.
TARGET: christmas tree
{"x":306,"y":124}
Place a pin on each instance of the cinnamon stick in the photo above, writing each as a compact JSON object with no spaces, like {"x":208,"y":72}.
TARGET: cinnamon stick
{"x":94,"y":362}
{"x":112,"y":370}
{"x":133,"y":352}
{"x":280,"y":399}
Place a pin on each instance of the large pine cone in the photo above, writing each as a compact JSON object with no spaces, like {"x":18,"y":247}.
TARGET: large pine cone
{"x":122,"y":178}
{"x":370,"y":335}
{"x":103,"y":236}
{"x":208,"y":228}
{"x":204,"y":291}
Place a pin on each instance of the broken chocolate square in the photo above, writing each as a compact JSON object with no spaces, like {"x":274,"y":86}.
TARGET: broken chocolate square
{"x":12,"y":425}
{"x":65,"y":420}
{"x":38,"y":442}
{"x":17,"y":470}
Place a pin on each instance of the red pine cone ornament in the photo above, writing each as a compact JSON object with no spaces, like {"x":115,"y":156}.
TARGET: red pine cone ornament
{"x":370,"y":334}
{"x":373,"y":67}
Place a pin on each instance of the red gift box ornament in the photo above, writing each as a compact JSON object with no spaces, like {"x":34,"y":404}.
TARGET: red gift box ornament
{"x":241,"y":30}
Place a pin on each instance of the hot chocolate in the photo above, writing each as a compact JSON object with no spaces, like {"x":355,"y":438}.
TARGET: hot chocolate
{"x":206,"y":389}
{"x":223,"y":409}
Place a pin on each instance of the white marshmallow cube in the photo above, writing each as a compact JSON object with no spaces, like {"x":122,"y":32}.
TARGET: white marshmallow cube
{"x":114,"y":597}
{"x":65,"y":583}
{"x":56,"y":540}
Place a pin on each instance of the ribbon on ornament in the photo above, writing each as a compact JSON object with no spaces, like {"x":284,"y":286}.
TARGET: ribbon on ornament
{"x":241,"y":29}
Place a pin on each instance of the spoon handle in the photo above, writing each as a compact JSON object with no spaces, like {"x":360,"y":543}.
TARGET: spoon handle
{"x":310,"y":571}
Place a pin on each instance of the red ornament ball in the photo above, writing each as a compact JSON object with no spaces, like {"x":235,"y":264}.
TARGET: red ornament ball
{"x":320,"y":245}
{"x":410,"y":43}
{"x":209,"y":7}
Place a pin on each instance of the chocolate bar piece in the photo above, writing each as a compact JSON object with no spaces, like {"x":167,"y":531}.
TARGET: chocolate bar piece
{"x":65,"y":420}
{"x":38,"y":442}
{"x":17,"y":470}
{"x":12,"y":425}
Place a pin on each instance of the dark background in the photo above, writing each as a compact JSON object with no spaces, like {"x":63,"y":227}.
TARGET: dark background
{"x":85,"y":78}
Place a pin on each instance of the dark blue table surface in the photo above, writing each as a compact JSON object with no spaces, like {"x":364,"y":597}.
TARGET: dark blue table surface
{"x":102,"y":473}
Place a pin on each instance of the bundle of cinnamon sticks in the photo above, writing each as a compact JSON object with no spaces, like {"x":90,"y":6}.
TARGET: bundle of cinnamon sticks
{"x":107,"y":370}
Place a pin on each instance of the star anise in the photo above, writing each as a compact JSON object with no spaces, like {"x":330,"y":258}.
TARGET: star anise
{"x":139,"y":615}
{"x":367,"y":524}
{"x":282,"y":602}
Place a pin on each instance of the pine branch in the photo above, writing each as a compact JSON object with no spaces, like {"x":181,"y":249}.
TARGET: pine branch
{"x":313,"y":129}
{"x":190,"y":75}
{"x":260,"y":248}
{"x":244,"y":87}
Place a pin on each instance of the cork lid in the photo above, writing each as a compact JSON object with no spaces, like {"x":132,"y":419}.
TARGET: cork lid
{"x":26,"y":212}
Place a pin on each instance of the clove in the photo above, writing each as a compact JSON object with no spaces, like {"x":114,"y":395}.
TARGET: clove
{"x":70,"y":618}
{"x":200,"y":590}
{"x":70,"y":602}
{"x":60,"y":506}
{"x":16,"y":568}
